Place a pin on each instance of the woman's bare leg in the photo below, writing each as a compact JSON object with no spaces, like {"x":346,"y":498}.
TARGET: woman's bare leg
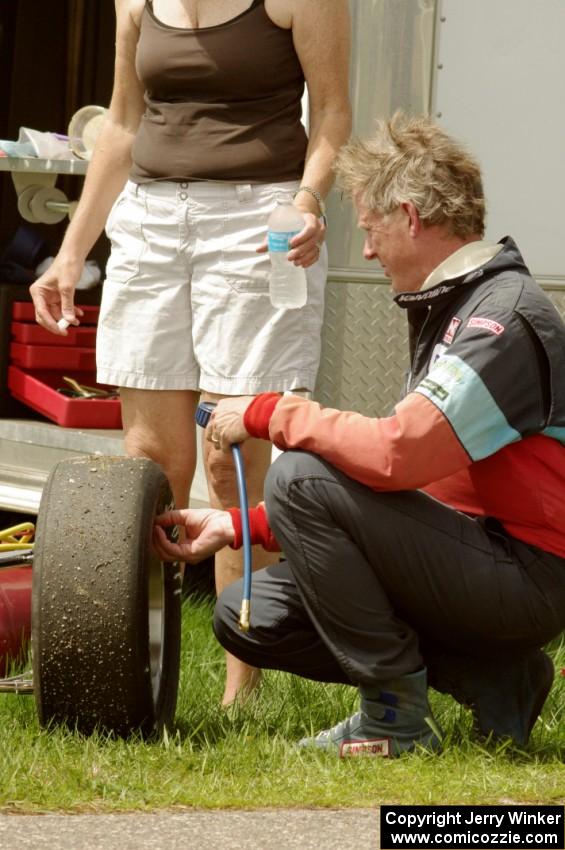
{"x":159,"y":424}
{"x":222,"y":489}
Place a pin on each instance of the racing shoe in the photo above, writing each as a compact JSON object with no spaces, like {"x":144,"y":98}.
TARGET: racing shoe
{"x":392,"y":719}
{"x":506,"y":695}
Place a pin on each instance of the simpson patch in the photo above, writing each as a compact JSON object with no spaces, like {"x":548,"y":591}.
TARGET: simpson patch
{"x":377,"y":747}
{"x":486,"y":324}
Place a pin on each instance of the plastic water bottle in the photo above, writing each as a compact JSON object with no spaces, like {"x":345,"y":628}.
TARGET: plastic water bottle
{"x":288,"y":286}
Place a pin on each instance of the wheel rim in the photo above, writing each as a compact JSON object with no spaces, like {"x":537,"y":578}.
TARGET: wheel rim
{"x":156,"y":624}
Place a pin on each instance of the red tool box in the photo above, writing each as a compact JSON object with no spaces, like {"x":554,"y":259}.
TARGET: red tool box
{"x":39,"y":362}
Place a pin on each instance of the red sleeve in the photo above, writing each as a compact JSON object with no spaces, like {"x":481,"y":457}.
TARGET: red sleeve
{"x":259,"y":527}
{"x":406,"y":451}
{"x":258,"y":415}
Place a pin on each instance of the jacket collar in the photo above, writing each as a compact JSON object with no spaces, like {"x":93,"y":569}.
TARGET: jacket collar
{"x":467,"y":268}
{"x":462,"y":262}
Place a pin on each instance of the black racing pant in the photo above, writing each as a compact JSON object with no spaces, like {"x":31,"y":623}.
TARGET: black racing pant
{"x":373,"y":582}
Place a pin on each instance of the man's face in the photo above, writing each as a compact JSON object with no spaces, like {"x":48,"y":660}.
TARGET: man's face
{"x":389,"y":239}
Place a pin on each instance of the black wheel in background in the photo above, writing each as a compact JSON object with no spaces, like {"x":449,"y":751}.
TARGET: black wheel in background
{"x":198,"y":582}
{"x":105,"y":610}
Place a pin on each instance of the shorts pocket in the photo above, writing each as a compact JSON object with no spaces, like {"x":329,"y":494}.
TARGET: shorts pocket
{"x":244,"y":230}
{"x":124,"y":229}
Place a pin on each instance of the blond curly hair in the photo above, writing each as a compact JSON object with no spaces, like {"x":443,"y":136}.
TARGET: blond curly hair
{"x":413,"y":159}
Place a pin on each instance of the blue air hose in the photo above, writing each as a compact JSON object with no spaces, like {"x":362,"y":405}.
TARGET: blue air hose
{"x":203,"y":413}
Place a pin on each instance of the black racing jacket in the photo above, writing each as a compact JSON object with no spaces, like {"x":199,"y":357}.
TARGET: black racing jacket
{"x":488,"y":350}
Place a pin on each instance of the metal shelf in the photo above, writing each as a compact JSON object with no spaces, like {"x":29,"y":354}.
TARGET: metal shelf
{"x":35,"y":165}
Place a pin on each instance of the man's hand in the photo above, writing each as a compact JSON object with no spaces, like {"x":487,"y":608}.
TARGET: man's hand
{"x":53,"y":295}
{"x":206,"y":530}
{"x":226,"y":423}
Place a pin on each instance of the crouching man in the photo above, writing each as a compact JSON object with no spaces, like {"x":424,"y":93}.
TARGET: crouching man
{"x":428,"y":547}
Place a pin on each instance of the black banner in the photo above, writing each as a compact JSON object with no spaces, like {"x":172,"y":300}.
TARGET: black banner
{"x":472,"y":827}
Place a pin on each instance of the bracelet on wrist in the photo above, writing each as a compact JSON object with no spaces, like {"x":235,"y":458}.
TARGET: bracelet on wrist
{"x":317,"y":197}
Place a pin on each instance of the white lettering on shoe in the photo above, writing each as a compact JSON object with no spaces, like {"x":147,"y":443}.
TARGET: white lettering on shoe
{"x":376,"y":747}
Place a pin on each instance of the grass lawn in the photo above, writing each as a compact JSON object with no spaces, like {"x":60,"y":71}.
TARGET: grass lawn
{"x":248,"y":759}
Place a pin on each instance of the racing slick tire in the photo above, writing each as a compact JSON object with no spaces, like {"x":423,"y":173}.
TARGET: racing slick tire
{"x":105,"y":610}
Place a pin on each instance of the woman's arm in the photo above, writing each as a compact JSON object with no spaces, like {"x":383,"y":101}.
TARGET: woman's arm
{"x":321,"y":32}
{"x":107,"y":173}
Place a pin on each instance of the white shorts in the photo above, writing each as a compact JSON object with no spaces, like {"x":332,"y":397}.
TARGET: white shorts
{"x":185,"y":304}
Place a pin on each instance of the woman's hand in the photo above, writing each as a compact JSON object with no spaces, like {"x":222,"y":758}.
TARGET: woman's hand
{"x":226,"y":423}
{"x":306,"y":245}
{"x":53,"y":295}
{"x":206,"y":530}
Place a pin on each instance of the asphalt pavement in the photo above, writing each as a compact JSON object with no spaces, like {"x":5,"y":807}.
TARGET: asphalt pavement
{"x":280,"y":829}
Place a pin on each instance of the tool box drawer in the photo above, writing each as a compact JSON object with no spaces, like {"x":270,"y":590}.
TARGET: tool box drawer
{"x":52,"y":357}
{"x":24,"y":311}
{"x":39,"y":391}
{"x":32,"y":334}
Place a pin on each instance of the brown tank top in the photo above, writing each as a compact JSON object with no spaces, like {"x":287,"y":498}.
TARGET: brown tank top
{"x":222,"y":102}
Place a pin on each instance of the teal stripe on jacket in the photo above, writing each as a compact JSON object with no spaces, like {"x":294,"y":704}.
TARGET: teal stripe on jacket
{"x":464,"y":399}
{"x":556,"y":433}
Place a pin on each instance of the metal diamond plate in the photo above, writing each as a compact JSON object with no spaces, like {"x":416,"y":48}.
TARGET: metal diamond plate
{"x":363,"y":349}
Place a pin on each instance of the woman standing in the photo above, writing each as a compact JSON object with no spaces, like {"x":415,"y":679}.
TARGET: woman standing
{"x":202,"y":136}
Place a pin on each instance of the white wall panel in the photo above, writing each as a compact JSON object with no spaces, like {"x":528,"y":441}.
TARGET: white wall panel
{"x":500,"y":76}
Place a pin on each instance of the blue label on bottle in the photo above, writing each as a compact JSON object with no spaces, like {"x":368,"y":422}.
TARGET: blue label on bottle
{"x":278,"y":241}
